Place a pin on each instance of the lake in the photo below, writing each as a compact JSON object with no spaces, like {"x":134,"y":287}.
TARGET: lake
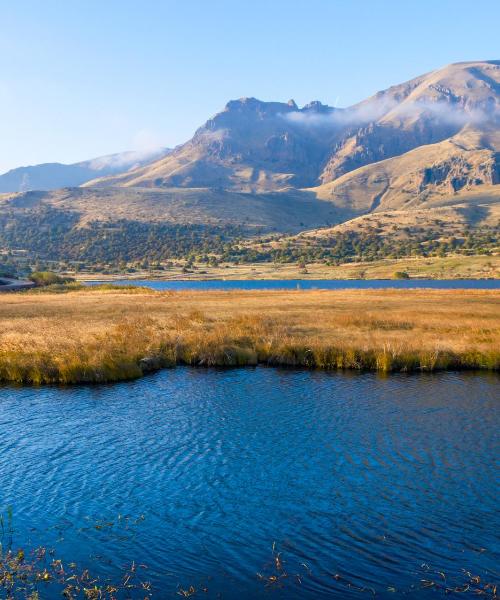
{"x":309,"y":284}
{"x":361,"y":482}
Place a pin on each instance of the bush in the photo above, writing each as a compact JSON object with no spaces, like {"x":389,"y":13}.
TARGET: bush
{"x":401,"y":275}
{"x":43,"y":278}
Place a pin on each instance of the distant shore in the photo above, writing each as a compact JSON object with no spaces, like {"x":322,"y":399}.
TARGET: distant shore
{"x":449,"y":267}
{"x":104,"y":334}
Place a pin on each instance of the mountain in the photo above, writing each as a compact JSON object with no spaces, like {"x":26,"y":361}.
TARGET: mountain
{"x":251,"y":146}
{"x":425,"y":153}
{"x":50,"y":176}
{"x":255,"y":146}
{"x":422,"y":111}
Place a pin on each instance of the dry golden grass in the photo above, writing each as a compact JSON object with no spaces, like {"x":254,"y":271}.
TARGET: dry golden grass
{"x":108,"y":335}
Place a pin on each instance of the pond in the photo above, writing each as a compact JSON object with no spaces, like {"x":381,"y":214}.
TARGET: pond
{"x":359,"y":482}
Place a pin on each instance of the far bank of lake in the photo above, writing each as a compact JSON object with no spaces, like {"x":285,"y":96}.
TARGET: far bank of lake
{"x":481,"y":266}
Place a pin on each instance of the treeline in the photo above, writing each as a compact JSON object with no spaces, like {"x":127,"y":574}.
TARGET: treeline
{"x":348,"y":246}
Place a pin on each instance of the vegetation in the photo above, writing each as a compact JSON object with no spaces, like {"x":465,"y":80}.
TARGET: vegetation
{"x":47,"y":234}
{"x":31,"y":575}
{"x":401,"y":275}
{"x":37,"y":573}
{"x":368,"y":246}
{"x":97,"y":335}
{"x":46,"y":278}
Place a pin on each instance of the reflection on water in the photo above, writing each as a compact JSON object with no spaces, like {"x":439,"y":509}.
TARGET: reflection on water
{"x":197,"y":472}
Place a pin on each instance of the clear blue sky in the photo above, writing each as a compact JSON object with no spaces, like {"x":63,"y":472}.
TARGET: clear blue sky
{"x":81,"y":78}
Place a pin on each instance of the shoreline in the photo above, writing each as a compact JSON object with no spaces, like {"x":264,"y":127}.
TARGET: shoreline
{"x":292,"y":368}
{"x":14,"y":285}
{"x":222,"y":279}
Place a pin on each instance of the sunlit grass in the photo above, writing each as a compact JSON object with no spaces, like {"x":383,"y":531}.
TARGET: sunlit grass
{"x":110,"y":334}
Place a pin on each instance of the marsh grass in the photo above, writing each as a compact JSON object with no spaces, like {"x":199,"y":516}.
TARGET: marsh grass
{"x":37,"y":573}
{"x":107,"y":334}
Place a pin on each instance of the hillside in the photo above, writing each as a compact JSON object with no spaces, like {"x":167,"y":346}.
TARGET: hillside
{"x":443,"y":173}
{"x":129,"y":224}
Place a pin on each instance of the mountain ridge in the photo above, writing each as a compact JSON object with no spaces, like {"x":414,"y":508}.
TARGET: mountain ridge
{"x":54,"y":175}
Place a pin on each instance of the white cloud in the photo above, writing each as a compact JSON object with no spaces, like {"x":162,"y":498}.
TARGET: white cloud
{"x":378,"y":107}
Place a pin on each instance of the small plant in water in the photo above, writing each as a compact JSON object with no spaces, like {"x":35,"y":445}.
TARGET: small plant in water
{"x":31,"y":575}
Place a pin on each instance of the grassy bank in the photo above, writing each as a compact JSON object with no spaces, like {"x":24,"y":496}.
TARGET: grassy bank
{"x":108,"y":334}
{"x":447,"y":267}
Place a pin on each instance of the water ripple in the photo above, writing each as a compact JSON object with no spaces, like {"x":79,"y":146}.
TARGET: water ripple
{"x":358,"y":479}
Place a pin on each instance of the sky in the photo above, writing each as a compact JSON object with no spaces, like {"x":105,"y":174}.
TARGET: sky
{"x":84,"y":78}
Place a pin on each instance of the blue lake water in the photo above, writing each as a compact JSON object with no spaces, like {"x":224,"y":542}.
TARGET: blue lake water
{"x":196,"y":473}
{"x":308,"y":284}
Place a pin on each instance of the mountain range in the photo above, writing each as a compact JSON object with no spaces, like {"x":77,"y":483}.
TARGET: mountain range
{"x":430,"y":144}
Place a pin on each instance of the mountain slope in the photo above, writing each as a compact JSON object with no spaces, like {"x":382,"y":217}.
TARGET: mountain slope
{"x":117,"y":225}
{"x":422,"y":111}
{"x":50,"y":176}
{"x":436,"y":174}
{"x":85,"y":206}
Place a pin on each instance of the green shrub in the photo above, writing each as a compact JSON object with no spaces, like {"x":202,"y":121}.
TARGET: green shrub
{"x":43,"y":278}
{"x":401,"y":275}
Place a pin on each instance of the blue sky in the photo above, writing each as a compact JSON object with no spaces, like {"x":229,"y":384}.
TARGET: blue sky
{"x":81,"y":78}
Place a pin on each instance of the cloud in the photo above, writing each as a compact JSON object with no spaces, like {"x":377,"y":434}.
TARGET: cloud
{"x":379,"y":107}
{"x":450,"y":114}
{"x":126,"y":160}
{"x":339,"y":117}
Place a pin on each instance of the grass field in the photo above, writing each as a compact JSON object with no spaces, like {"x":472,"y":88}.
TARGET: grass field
{"x":108,"y":335}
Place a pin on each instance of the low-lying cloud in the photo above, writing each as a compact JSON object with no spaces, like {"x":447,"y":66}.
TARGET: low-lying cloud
{"x":125,"y":160}
{"x":378,"y":108}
